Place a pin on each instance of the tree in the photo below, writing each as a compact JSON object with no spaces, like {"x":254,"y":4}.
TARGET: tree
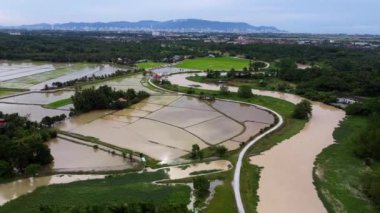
{"x":245,"y":91}
{"x":221,"y":150}
{"x":196,"y":152}
{"x":302,"y":110}
{"x":201,"y":187}
{"x":6,"y":170}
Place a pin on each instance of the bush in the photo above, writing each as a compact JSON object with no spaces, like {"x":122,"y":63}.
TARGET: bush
{"x":245,"y":91}
{"x":221,"y":151}
{"x":6,"y":170}
{"x":302,"y":110}
{"x":201,"y":187}
{"x":224,"y":90}
{"x":32,"y":169}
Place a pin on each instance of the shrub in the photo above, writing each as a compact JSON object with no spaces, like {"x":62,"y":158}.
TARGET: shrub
{"x":221,"y":151}
{"x":224,"y":90}
{"x":245,"y":91}
{"x":302,"y":110}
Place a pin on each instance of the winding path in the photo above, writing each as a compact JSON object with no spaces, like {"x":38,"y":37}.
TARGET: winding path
{"x":286,"y":183}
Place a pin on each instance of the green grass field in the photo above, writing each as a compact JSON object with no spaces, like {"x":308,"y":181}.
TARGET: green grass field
{"x":148,"y":65}
{"x":338,"y":171}
{"x":59,"y":103}
{"x":219,"y":63}
{"x":116,"y":190}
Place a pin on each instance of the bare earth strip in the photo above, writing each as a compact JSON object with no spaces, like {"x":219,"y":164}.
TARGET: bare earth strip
{"x":286,"y":183}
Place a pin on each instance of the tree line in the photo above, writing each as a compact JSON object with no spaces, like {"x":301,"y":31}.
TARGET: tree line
{"x":22,"y":146}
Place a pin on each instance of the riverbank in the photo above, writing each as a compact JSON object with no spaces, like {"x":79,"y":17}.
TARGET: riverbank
{"x":338,"y":172}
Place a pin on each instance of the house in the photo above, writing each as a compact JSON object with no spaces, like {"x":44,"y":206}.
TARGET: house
{"x":3,"y":122}
{"x":346,"y":100}
{"x":122,"y":100}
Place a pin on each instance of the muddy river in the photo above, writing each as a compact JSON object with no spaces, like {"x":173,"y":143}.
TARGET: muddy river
{"x":286,"y":183}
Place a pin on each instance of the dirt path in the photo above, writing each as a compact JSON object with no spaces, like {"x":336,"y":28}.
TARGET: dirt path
{"x":286,"y":183}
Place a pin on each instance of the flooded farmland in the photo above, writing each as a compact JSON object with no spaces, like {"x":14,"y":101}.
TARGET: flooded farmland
{"x":34,"y":76}
{"x":38,"y":97}
{"x":162,"y":127}
{"x":35,"y":113}
{"x":70,"y":156}
{"x":286,"y":180}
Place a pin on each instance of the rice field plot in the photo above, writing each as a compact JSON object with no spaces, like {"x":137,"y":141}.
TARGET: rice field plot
{"x":39,"y":97}
{"x":12,"y":70}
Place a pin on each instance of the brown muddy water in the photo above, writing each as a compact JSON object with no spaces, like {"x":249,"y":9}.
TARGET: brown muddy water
{"x":69,"y":156}
{"x":13,"y":190}
{"x":286,"y":183}
{"x":217,"y":130}
{"x":184,"y":171}
{"x":35,"y":113}
{"x":162,"y":127}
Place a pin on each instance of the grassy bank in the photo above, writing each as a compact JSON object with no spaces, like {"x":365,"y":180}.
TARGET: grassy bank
{"x":219,"y":63}
{"x":224,"y":200}
{"x":115,"y":190}
{"x":59,"y":103}
{"x":338,"y":172}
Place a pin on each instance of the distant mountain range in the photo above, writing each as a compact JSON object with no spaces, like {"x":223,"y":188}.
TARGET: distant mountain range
{"x":179,"y":25}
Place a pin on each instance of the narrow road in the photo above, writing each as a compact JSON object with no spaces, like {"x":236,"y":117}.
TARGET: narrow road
{"x":286,"y":183}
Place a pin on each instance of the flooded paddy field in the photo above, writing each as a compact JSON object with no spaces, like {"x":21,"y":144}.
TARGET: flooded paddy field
{"x":40,"y":98}
{"x":163,"y":127}
{"x":12,"y":70}
{"x":70,"y":156}
{"x":124,"y":83}
{"x":47,"y":73}
{"x":34,"y":112}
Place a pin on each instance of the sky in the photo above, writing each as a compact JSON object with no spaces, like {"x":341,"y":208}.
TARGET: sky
{"x":296,"y":16}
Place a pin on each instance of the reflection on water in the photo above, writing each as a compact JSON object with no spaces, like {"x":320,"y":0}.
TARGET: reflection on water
{"x":13,"y":190}
{"x":11,"y":70}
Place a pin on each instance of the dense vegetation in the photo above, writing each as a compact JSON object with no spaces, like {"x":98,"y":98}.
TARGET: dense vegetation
{"x":22,"y":148}
{"x":132,"y":190}
{"x":105,"y":97}
{"x":336,"y":70}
